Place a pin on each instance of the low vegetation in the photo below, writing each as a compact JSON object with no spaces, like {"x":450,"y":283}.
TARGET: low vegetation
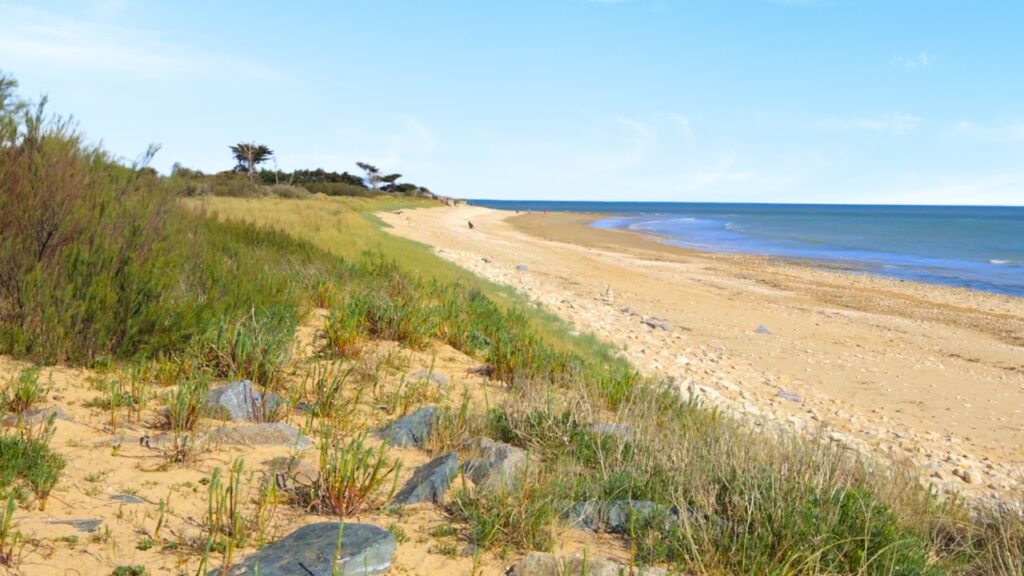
{"x":106,"y":265}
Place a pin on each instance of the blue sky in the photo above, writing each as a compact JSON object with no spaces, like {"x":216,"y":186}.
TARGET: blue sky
{"x":700,"y":100}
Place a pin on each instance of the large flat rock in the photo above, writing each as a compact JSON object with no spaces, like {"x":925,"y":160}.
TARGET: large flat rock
{"x":310,"y":551}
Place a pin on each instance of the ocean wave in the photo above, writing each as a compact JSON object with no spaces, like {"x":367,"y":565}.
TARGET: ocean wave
{"x":1000,"y":262}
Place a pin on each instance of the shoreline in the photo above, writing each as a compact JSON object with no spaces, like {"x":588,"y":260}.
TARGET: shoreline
{"x":933,"y":375}
{"x":666,"y":241}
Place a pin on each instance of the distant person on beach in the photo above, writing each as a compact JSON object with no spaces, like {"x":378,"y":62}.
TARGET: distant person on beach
{"x":470,"y":224}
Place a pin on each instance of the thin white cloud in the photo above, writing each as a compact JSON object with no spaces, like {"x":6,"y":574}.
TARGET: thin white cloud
{"x":682,"y":122}
{"x":921,"y":60}
{"x":37,"y":38}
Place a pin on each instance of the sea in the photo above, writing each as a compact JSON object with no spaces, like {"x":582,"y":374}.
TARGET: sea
{"x":977,"y":247}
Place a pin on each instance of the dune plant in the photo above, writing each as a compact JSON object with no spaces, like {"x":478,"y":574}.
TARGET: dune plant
{"x":26,"y":460}
{"x":345,"y":329}
{"x":227,"y":526}
{"x":522,"y":518}
{"x":326,"y":383}
{"x":10,"y":538}
{"x":255,"y":347}
{"x":22,"y":392}
{"x":185,"y":405}
{"x":353,"y":476}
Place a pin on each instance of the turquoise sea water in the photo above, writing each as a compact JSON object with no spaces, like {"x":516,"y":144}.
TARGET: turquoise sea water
{"x":977,"y":247}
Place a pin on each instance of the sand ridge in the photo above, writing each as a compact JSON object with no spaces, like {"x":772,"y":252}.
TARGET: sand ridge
{"x":929,"y":374}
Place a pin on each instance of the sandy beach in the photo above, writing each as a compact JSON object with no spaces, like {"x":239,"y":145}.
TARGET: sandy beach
{"x":928,"y":374}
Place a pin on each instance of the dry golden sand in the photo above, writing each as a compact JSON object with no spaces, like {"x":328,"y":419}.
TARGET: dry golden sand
{"x":97,"y":470}
{"x":908,"y":370}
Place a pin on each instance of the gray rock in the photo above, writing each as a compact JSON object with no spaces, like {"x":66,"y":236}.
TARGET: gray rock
{"x":261,"y":434}
{"x":36,"y":416}
{"x":411,"y":430}
{"x":85,"y":525}
{"x":657,"y":323}
{"x":623,"y":431}
{"x":522,"y":268}
{"x":127,"y":499}
{"x":763,"y":330}
{"x":615,"y":515}
{"x":430,"y":481}
{"x":310,"y":550}
{"x":791,"y":396}
{"x":241,"y":401}
{"x":498,"y":465}
{"x":435,"y":377}
{"x":544,"y":564}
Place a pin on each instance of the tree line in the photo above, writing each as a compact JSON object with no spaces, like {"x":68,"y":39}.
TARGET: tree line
{"x":249,"y":156}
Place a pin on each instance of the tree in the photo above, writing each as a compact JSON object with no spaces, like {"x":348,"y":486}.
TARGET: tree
{"x":372,"y":174}
{"x":249,"y":155}
{"x":390,"y":179}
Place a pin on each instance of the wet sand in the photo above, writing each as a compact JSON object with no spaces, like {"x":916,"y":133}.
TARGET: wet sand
{"x":931,"y":374}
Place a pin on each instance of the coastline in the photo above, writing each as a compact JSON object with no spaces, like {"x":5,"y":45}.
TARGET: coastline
{"x":945,"y":391}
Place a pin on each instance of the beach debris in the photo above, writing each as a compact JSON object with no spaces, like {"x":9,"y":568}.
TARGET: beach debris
{"x":430,"y":375}
{"x":487,"y":260}
{"x":522,"y":268}
{"x":411,"y":430}
{"x":261,"y":434}
{"x":497,"y":466}
{"x":628,"y":310}
{"x":657,"y":323}
{"x":791,"y":396}
{"x":430,"y":481}
{"x":312,"y":549}
{"x":127,"y":499}
{"x":762,"y":329}
{"x":545,"y":564}
{"x":240,"y":401}
{"x":608,"y":296}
